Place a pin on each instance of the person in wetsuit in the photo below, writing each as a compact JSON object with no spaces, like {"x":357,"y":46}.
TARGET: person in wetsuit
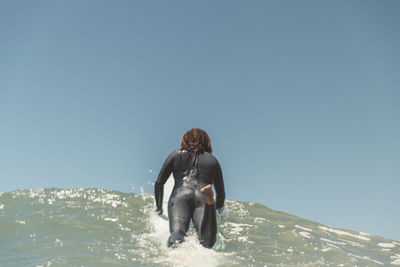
{"x":194,"y":169}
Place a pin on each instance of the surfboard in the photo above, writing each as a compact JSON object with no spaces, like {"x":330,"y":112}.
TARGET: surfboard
{"x":168,"y":187}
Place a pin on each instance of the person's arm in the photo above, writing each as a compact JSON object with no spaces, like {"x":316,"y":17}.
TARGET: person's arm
{"x":219,"y":188}
{"x":165,"y":172}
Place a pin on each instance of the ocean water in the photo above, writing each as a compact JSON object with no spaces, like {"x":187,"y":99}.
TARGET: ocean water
{"x":95,"y":227}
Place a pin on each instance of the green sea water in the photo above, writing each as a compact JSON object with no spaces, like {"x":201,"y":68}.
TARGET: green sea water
{"x":95,"y":227}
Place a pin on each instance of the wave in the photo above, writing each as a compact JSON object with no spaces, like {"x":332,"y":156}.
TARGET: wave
{"x":96,"y":227}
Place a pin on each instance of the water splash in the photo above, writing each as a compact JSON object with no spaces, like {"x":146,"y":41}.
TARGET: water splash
{"x":96,"y":227}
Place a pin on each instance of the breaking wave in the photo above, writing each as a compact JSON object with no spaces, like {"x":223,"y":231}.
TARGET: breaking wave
{"x":96,"y":227}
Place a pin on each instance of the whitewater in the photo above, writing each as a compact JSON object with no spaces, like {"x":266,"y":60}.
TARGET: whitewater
{"x":96,"y":227}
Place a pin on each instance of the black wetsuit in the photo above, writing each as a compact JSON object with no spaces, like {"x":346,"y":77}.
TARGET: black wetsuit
{"x":192,"y":170}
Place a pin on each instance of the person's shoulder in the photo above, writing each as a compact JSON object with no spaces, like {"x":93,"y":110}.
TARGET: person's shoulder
{"x":175,"y":151}
{"x":210,"y":156}
{"x":173,"y":154}
{"x":178,"y":151}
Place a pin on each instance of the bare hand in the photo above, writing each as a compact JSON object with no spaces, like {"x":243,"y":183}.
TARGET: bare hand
{"x":207,"y":191}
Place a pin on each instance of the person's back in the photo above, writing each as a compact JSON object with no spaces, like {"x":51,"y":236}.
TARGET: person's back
{"x":194,"y":171}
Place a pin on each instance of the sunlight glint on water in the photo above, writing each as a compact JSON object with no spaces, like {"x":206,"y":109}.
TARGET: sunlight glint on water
{"x":95,"y":227}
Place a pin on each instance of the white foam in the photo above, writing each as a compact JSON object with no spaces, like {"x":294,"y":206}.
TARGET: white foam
{"x":237,"y":208}
{"x":245,"y":239}
{"x":259,"y":220}
{"x":333,"y":242}
{"x":58,"y":242}
{"x":366,"y":234}
{"x":108,"y":199}
{"x":364,"y":258}
{"x":303,"y":228}
{"x":326,"y":249}
{"x":38,"y":192}
{"x":305,"y":234}
{"x":111,"y":219}
{"x":354,"y":244}
{"x":188,"y":253}
{"x":69,"y":193}
{"x":333,"y":246}
{"x":281,"y":226}
{"x":339,"y":232}
{"x":395,"y":259}
{"x":1,"y":206}
{"x":386,"y":245}
{"x":237,"y":228}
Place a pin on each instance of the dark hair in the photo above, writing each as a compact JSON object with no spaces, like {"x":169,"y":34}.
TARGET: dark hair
{"x":196,"y":139}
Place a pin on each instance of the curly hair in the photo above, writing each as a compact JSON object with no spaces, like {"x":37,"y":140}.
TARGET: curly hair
{"x":196,"y":139}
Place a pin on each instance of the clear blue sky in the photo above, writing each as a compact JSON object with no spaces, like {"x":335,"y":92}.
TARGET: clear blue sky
{"x":301,"y":99}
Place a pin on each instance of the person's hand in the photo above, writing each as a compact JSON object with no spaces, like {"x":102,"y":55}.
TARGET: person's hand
{"x":159,"y":212}
{"x":223,"y":212}
{"x":207,"y":191}
{"x":220,"y":210}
